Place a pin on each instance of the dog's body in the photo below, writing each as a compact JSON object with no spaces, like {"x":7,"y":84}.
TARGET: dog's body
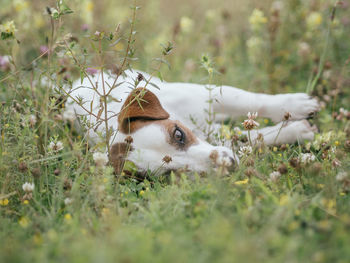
{"x":163,"y":115}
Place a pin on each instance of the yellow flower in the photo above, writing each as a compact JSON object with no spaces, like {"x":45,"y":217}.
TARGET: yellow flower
{"x":142,"y":193}
{"x":337,"y":143}
{"x":274,"y":149}
{"x":314,"y":20}
{"x":8,"y":27}
{"x":266,"y":121}
{"x":67,"y":217}
{"x":20,"y":5}
{"x":257,"y":19}
{"x":23,"y":222}
{"x":4,"y":202}
{"x":186,"y":24}
{"x":284,"y":200}
{"x":245,"y":181}
{"x":89,"y":6}
{"x":25,"y":202}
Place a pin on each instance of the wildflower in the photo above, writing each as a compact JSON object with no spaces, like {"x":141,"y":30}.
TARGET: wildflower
{"x":257,"y":19}
{"x":186,"y":24}
{"x":28,"y":187}
{"x":314,"y":20}
{"x":142,"y":193}
{"x":91,"y":71}
{"x":304,"y":49}
{"x":68,"y":201}
{"x":32,"y":120}
{"x":237,"y":130}
{"x":7,"y":30}
{"x":26,"y":202}
{"x":245,"y":181}
{"x":67,"y":217}
{"x":4,"y":202}
{"x":167,"y":159}
{"x":341,"y":176}
{"x":277,"y":6}
{"x":274,"y":176}
{"x":23,"y":222}
{"x":43,"y":50}
{"x":100,"y":159}
{"x":5,"y":63}
{"x":69,"y":115}
{"x":245,"y":151}
{"x":85,"y":27}
{"x":306,"y":158}
{"x":250,"y":123}
{"x":56,"y":146}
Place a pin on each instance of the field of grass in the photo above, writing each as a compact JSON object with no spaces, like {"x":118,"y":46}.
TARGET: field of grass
{"x":289,"y":203}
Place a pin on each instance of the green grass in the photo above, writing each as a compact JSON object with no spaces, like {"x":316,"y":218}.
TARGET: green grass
{"x":82,"y":213}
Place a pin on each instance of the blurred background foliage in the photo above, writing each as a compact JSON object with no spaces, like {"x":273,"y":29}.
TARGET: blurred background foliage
{"x":265,"y":45}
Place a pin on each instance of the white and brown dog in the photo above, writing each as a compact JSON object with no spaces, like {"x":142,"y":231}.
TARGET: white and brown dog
{"x":161,"y":123}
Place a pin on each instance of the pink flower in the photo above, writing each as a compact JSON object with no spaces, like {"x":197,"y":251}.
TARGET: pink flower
{"x":85,"y":27}
{"x":91,"y":71}
{"x":44,"y":50}
{"x":4,"y":63}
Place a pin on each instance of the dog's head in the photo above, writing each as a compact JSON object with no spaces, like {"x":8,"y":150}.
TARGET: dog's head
{"x":150,"y":139}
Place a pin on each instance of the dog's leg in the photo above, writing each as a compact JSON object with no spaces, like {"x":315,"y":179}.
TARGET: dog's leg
{"x":235,"y":102}
{"x":290,"y":132}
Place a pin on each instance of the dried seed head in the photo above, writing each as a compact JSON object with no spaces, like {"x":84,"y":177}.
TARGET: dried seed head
{"x":282,"y":169}
{"x":36,"y":172}
{"x":140,"y":77}
{"x":250,"y":172}
{"x":57,"y":171}
{"x":294,"y":162}
{"x":129,"y":139}
{"x":67,"y":184}
{"x":22,"y":166}
{"x":167,"y":159}
{"x":287,"y":116}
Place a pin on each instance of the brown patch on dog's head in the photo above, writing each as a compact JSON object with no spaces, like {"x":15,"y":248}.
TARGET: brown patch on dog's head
{"x":119,"y":152}
{"x":140,"y":107}
{"x":178,"y":134}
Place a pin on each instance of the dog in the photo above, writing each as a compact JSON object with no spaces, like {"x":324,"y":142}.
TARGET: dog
{"x":163,"y":119}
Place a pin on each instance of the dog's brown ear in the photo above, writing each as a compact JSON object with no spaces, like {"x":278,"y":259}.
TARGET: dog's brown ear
{"x":141,"y":105}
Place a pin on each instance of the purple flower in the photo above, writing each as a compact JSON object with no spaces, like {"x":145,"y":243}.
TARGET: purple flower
{"x":85,"y":27}
{"x":5,"y":63}
{"x":44,"y":50}
{"x":91,"y":71}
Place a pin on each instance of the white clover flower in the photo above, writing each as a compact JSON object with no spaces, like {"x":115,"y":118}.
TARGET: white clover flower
{"x":69,"y":115}
{"x":245,"y":150}
{"x":250,"y":123}
{"x":100,"y":159}
{"x":28,"y":187}
{"x":274,"y":176}
{"x":56,"y":146}
{"x":32,"y":120}
{"x":306,"y":158}
{"x":68,"y":201}
{"x":304,"y":49}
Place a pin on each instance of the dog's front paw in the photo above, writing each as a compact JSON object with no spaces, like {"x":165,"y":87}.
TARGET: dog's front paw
{"x":299,"y":106}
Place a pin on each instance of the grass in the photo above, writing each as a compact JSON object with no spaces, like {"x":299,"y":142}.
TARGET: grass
{"x":79,"y":212}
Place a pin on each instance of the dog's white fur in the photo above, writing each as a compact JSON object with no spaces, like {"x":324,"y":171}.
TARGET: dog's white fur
{"x":186,"y":102}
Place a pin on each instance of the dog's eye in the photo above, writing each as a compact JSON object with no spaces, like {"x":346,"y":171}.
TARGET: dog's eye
{"x":179,"y":136}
